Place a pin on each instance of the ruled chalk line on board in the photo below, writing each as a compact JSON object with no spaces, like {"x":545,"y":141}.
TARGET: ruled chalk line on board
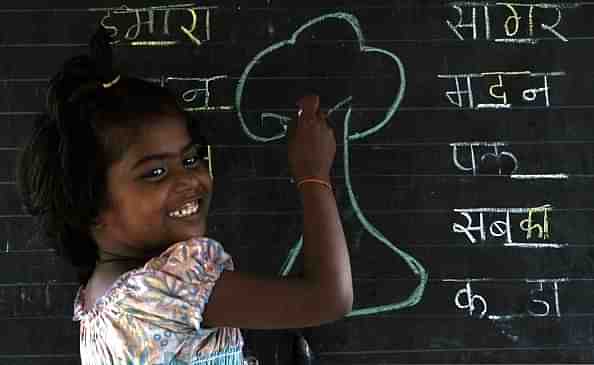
{"x":513,"y":280}
{"x":415,"y":109}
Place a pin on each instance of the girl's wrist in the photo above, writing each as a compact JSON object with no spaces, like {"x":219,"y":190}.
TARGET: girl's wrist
{"x":317,"y":180}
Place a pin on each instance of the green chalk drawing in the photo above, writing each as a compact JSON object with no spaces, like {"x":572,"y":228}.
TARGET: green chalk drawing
{"x":410,"y":261}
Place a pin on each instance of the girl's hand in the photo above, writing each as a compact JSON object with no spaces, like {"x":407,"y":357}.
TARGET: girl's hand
{"x":311,"y":142}
{"x":324,"y":292}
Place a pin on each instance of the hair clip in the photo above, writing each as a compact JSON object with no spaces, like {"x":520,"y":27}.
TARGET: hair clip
{"x":111,"y":83}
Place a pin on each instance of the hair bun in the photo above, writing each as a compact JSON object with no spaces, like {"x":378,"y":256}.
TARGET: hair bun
{"x":81,"y":74}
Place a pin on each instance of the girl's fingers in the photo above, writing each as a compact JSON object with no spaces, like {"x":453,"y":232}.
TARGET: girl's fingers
{"x":308,"y":105}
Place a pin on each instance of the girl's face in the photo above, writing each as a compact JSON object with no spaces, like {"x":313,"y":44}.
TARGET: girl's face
{"x":160,"y":173}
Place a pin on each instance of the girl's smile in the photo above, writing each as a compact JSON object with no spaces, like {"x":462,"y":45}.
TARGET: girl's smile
{"x":188,"y":209}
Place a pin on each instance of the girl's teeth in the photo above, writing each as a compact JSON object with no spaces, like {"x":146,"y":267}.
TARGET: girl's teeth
{"x":185,"y":211}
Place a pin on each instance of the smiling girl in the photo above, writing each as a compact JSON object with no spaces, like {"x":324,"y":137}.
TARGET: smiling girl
{"x":117,"y":176}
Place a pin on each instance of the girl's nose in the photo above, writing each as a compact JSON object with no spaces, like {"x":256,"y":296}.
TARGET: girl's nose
{"x":192,"y":180}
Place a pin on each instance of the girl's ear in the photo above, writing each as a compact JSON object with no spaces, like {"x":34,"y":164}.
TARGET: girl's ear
{"x":97,"y":229}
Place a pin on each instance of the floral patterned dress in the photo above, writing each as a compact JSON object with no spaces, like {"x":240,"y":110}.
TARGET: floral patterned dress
{"x":153,"y":314}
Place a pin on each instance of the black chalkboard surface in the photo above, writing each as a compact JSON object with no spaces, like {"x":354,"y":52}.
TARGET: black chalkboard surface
{"x":463,"y":172}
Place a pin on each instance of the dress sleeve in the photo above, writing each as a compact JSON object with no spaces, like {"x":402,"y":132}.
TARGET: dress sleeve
{"x":175,"y":287}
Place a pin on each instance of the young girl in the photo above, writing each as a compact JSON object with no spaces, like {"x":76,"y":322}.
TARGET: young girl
{"x":118,"y":178}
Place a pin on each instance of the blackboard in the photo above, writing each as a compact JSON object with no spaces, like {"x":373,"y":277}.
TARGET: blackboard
{"x":463,"y":171}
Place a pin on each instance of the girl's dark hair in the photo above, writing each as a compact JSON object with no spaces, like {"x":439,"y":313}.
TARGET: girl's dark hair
{"x":86,"y":127}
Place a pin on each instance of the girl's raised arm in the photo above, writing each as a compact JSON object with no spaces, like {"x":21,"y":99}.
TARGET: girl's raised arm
{"x":325,"y":292}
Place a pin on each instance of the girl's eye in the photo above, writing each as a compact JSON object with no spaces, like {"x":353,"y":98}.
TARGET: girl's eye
{"x":152,"y":174}
{"x":197,"y":160}
{"x":192,"y":161}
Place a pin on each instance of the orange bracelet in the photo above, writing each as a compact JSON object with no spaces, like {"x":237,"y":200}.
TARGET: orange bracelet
{"x":314,"y":180}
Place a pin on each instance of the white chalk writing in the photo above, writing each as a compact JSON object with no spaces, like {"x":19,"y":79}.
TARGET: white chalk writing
{"x":498,"y":97}
{"x":502,"y":228}
{"x":522,"y":22}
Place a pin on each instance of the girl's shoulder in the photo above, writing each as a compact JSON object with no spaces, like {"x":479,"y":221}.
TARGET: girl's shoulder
{"x":181,"y":257}
{"x":189,"y":246}
{"x":189,"y":251}
{"x":196,"y":258}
